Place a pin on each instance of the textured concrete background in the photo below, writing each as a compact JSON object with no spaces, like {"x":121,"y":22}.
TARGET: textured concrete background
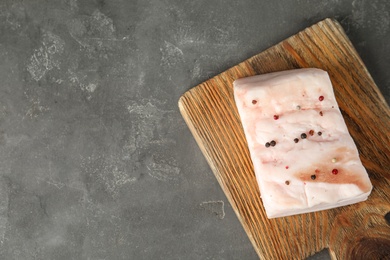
{"x":95,"y":159}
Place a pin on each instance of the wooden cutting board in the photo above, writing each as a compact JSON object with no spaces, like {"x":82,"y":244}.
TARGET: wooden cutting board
{"x":360,"y":231}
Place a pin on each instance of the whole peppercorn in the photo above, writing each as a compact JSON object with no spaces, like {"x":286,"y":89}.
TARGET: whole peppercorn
{"x":296,"y":140}
{"x":303,"y":135}
{"x":272,"y":143}
{"x":313,"y":177}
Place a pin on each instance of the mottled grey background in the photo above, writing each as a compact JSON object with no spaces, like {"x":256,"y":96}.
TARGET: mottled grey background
{"x":95,"y":159}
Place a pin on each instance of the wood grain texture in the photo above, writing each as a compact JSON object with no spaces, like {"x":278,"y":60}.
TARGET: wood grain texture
{"x":358,"y":231}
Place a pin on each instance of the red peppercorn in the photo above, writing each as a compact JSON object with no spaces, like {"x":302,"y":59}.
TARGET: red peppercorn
{"x":321,"y":98}
{"x":335,"y":171}
{"x":321,"y":114}
{"x":287,"y":182}
{"x":317,"y":171}
{"x":254,"y":102}
{"x":287,"y":167}
{"x":276,"y":117}
{"x":311,"y":132}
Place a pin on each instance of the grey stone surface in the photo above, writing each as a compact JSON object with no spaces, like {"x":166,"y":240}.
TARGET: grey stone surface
{"x":95,"y":159}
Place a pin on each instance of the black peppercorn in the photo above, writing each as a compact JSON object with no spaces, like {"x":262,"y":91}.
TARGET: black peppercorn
{"x":273,"y":143}
{"x":267,"y":144}
{"x":319,"y":133}
{"x":313,"y":177}
{"x":296,"y":140}
{"x":303,"y":135}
